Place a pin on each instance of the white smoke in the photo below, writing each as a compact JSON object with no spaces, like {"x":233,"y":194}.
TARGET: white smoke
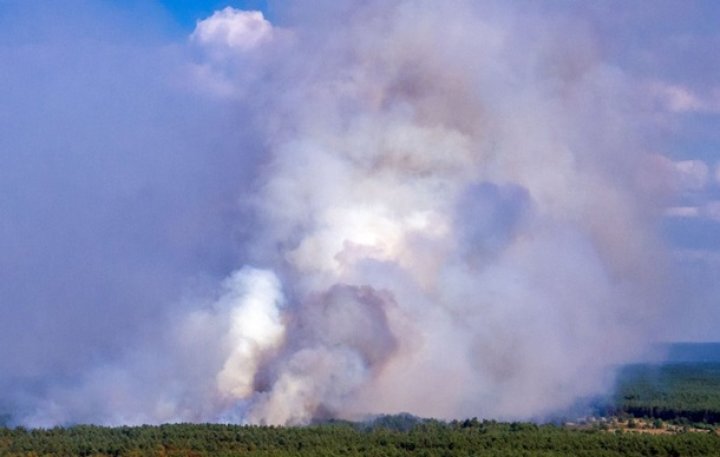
{"x":479,"y":182}
{"x":233,"y":29}
{"x":449,"y":222}
{"x":255,"y":329}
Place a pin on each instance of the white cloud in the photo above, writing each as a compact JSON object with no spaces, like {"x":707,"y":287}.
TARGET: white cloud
{"x":682,"y":211}
{"x":691,"y":175}
{"x":231,"y":28}
{"x":707,"y":210}
{"x":681,"y":99}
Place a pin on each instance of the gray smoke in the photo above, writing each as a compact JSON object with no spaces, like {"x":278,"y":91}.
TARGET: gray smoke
{"x":439,"y":210}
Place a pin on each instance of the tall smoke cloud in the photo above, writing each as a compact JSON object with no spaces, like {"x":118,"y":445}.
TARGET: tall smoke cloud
{"x":432,"y":209}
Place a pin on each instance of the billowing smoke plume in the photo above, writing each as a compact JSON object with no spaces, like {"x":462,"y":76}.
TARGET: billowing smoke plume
{"x":448,"y":215}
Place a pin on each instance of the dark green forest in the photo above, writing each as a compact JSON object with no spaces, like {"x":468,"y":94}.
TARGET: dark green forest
{"x":684,"y":389}
{"x":425,"y":438}
{"x":685,"y":392}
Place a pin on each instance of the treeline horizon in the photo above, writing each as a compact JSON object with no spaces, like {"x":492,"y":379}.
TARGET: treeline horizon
{"x":425,"y":437}
{"x":679,"y":402}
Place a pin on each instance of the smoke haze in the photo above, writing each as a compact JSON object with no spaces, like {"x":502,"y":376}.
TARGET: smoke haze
{"x":363,"y":207}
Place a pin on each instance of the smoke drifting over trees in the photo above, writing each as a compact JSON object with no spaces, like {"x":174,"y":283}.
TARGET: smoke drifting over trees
{"x":444,"y":211}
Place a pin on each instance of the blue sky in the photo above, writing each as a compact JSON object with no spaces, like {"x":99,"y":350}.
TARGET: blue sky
{"x":187,"y":12}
